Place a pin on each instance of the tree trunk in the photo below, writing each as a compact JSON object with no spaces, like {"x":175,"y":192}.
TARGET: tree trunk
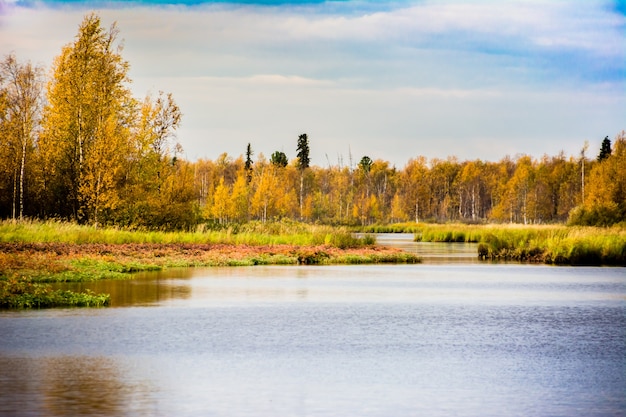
{"x":301,"y":193}
{"x":417,"y":210}
{"x":22,"y":168}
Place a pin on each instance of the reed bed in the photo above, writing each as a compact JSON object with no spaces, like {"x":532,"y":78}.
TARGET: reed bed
{"x":552,"y":244}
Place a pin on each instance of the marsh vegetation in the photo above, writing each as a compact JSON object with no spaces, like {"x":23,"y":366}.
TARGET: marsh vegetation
{"x":552,"y":244}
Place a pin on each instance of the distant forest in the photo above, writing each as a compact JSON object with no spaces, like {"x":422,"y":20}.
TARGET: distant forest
{"x":76,"y":145}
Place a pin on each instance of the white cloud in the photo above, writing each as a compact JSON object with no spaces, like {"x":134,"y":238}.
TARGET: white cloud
{"x":478,"y":80}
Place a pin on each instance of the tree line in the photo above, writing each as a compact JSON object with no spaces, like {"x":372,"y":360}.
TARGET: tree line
{"x":78,"y":146}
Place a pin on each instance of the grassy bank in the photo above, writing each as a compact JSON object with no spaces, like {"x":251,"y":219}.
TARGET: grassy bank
{"x":253,"y":233}
{"x":35,"y":253}
{"x":551,"y":244}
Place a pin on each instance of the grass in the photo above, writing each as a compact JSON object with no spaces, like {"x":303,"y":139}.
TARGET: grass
{"x":551,"y":244}
{"x":253,"y":233}
{"x":407,"y":227}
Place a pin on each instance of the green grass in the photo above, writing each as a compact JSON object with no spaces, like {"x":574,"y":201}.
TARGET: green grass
{"x":408,"y":227}
{"x":253,"y":233}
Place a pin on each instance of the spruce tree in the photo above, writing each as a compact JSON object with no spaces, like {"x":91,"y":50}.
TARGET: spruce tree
{"x":605,"y":149}
{"x":303,"y":163}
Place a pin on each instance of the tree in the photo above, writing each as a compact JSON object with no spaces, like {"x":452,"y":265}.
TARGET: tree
{"x":366,"y":164}
{"x":414,"y":185}
{"x":221,"y":207}
{"x":21,"y":88}
{"x":606,"y":200}
{"x":249,"y":162}
{"x":86,"y":120}
{"x":279,"y":159}
{"x":303,"y":163}
{"x":303,"y":152}
{"x":605,"y":149}
{"x":160,"y":119}
{"x":239,"y":199}
{"x":583,"y":151}
{"x":265,"y":196}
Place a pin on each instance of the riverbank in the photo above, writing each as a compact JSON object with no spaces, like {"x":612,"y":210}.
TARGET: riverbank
{"x":550,"y":244}
{"x":33,"y":254}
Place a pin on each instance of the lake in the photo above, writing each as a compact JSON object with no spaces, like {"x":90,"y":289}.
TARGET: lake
{"x":451,"y":336}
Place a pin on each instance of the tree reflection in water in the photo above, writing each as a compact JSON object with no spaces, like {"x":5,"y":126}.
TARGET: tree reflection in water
{"x":70,"y":386}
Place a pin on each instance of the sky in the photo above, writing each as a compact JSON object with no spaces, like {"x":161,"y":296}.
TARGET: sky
{"x":392,"y":80}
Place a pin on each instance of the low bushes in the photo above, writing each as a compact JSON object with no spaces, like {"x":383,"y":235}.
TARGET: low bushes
{"x":24,"y":293}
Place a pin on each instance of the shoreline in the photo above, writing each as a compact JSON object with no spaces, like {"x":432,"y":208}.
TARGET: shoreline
{"x":26,"y":269}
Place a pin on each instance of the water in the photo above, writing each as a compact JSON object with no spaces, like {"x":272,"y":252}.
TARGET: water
{"x":438,"y":339}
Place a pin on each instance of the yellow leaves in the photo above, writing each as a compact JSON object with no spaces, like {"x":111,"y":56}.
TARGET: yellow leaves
{"x":221,"y":202}
{"x":606,"y":183}
{"x":104,"y":162}
{"x":157,"y":122}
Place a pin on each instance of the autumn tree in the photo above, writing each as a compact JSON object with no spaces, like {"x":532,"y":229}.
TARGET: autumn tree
{"x":221,"y":203}
{"x":414,"y":188}
{"x":265,"y":186}
{"x":21,"y":88}
{"x":86,"y":123}
{"x":470,"y":190}
{"x":606,"y":192}
{"x":151,"y":160}
{"x":239,"y":198}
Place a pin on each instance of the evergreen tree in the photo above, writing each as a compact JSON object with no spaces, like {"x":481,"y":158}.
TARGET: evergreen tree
{"x":303,"y":152}
{"x":279,"y":159}
{"x":248,"y":165}
{"x":366,"y":164}
{"x":303,"y":163}
{"x":605,"y":149}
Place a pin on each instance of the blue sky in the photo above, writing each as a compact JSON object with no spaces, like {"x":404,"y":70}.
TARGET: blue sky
{"x":391,"y":80}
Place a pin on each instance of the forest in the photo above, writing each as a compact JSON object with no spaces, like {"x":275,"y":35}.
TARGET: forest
{"x":76,"y":145}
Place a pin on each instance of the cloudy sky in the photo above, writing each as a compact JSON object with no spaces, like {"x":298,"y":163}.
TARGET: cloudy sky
{"x":387,"y":79}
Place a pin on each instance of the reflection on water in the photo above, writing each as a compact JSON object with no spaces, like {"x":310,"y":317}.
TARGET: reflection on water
{"x":431,"y":252}
{"x":144,"y":289}
{"x":69,"y":386}
{"x":433,"y":283}
{"x":174,"y":286}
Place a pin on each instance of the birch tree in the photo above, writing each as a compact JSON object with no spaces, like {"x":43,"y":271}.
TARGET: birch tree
{"x":87,"y":119}
{"x":21,"y":90}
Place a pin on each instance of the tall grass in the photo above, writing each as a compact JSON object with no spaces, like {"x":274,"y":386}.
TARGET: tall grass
{"x":408,"y":227}
{"x":553,"y":244}
{"x":253,"y":233}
